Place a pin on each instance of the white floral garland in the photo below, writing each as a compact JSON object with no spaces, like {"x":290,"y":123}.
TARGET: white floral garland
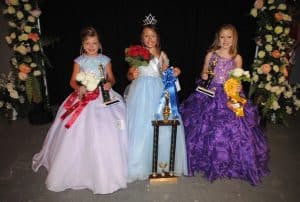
{"x":270,"y":87}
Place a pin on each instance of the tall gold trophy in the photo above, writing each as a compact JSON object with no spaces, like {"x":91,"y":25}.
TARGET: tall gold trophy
{"x":164,"y":176}
{"x":105,"y":93}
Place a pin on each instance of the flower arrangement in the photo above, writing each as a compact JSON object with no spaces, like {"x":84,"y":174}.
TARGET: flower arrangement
{"x":11,"y":96}
{"x":137,"y":55}
{"x":88,"y":79}
{"x":233,"y":87}
{"x":25,"y":40}
{"x":270,"y":89}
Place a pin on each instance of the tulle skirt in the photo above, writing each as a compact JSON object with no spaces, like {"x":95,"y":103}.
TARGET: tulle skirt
{"x":91,"y":154}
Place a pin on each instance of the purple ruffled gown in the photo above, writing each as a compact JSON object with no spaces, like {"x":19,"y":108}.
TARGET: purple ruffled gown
{"x":220,"y":144}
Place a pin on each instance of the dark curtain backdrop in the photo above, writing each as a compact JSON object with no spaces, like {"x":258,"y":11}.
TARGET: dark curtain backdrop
{"x":187,"y":29}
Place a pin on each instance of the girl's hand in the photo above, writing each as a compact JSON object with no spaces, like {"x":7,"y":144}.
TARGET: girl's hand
{"x":135,"y":73}
{"x":204,"y":76}
{"x":81,"y":91}
{"x":107,"y":86}
{"x":176,"y":71}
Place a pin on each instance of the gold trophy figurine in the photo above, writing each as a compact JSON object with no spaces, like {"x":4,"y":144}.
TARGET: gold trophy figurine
{"x":166,"y":110}
{"x":204,"y":85}
{"x":105,"y":93}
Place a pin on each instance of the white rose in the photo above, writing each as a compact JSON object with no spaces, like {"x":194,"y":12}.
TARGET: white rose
{"x":20,"y":15}
{"x":268,"y":47}
{"x":281,"y":7}
{"x":21,"y":49}
{"x":11,"y":10}
{"x":27,"y":7}
{"x":27,"y":28}
{"x":269,"y":37}
{"x":36,"y":47}
{"x":33,"y":65}
{"x":91,"y":86}
{"x":278,"y":30}
{"x":8,"y":40}
{"x":275,"y":105}
{"x":269,"y":77}
{"x":281,"y":79}
{"x":289,"y":110}
{"x":255,"y":78}
{"x":37,"y":73}
{"x":268,"y":86}
{"x":12,"y":24}
{"x":31,"y":19}
{"x":261,"y":54}
{"x":288,"y":94}
{"x":269,"y":27}
{"x":237,"y":72}
{"x":287,"y":30}
{"x":272,"y":8}
{"x":14,"y":94}
{"x":253,"y":12}
{"x":270,"y":1}
{"x":1,"y":104}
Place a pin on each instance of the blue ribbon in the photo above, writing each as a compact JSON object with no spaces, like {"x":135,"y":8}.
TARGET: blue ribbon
{"x":169,"y":82}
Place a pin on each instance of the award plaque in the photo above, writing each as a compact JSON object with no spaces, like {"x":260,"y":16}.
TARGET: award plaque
{"x":203,"y":87}
{"x":105,"y":93}
{"x":164,"y":175}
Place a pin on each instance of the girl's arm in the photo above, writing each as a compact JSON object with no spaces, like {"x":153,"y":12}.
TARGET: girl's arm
{"x":109,"y":77}
{"x":204,"y":73}
{"x":165,"y":64}
{"x":73,"y":83}
{"x":238,"y":61}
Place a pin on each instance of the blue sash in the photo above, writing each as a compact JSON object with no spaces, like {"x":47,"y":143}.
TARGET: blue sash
{"x":169,"y":82}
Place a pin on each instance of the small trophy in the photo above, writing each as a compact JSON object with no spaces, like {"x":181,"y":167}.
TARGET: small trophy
{"x":105,"y":93}
{"x":204,"y":85}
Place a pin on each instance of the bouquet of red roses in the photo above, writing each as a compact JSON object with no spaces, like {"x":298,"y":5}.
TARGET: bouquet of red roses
{"x":137,"y":55}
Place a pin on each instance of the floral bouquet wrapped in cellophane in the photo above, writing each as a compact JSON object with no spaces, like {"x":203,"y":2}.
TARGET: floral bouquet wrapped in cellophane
{"x":233,"y":87}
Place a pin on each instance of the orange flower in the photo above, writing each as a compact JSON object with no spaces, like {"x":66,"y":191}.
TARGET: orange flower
{"x":266,"y":68}
{"x":276,"y":54}
{"x":34,"y":37}
{"x":278,"y":16}
{"x":24,"y":68}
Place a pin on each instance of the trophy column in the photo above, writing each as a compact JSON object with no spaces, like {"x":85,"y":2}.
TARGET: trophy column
{"x":164,"y":176}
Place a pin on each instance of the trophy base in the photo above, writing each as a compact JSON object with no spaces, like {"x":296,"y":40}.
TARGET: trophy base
{"x":166,"y":178}
{"x":111,"y":102}
{"x":205,"y":91}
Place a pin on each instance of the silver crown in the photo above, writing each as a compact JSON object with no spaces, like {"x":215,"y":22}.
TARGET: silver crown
{"x":150,"y":20}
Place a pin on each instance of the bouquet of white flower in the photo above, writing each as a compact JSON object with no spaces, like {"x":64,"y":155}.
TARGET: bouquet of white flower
{"x":88,"y":79}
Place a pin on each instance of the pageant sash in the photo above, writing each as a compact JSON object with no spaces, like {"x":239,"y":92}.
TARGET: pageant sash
{"x":77,"y":107}
{"x":170,"y":86}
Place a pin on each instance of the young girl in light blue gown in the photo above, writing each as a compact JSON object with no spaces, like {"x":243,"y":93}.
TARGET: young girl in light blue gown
{"x":142,"y":104}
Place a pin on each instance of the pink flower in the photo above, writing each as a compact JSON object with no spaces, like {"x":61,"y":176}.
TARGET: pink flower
{"x":36,"y":12}
{"x":259,"y":4}
{"x":266,"y":68}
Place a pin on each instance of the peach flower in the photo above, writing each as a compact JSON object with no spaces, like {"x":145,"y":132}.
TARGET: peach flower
{"x":24,"y":68}
{"x":259,"y":4}
{"x":276,"y":54}
{"x":284,"y":71}
{"x":266,"y":68}
{"x":278,"y":16}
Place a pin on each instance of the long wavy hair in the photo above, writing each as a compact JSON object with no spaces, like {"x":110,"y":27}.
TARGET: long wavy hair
{"x":216,"y":43}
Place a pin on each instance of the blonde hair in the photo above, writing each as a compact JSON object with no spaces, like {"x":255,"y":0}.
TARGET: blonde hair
{"x":216,"y":44}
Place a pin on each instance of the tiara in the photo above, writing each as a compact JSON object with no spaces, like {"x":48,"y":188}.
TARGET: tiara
{"x":149,"y":20}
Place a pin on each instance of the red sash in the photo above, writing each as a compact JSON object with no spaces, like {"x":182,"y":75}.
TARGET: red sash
{"x":78,"y":106}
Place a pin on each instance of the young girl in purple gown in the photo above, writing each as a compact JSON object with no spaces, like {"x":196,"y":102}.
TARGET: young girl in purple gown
{"x":219,"y":143}
{"x":86,"y":146}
